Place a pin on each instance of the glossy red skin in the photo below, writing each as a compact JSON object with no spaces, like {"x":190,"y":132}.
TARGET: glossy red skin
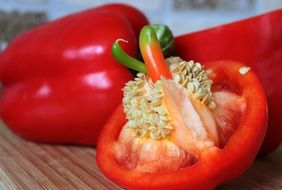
{"x":136,"y":18}
{"x":61,"y":82}
{"x":215,"y":166}
{"x":256,"y":42}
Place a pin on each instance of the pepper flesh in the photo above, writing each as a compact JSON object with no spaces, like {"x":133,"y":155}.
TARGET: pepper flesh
{"x":175,"y":117}
{"x":214,"y":165}
{"x":259,"y":49}
{"x":60,"y":81}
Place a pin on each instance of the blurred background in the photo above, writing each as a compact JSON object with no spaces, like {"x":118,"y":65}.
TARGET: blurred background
{"x":181,"y":15}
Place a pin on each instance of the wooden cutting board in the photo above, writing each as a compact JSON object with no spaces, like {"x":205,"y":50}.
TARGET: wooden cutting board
{"x":28,"y":165}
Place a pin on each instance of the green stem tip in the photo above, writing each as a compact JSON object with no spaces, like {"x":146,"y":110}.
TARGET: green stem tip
{"x":125,"y":59}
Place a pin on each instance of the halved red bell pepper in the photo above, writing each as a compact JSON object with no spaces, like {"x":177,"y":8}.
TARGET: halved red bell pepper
{"x":215,"y":166}
{"x":256,"y":42}
{"x":60,"y":81}
{"x":196,"y":131}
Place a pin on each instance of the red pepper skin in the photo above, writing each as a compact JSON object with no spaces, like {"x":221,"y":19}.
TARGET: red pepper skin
{"x":71,"y":44}
{"x":215,"y":166}
{"x":135,"y":17}
{"x":61,"y":82}
{"x":256,"y":42}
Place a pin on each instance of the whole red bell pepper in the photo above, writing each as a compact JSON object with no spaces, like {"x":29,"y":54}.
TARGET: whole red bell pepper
{"x":60,"y":82}
{"x":184,"y":126}
{"x":256,"y":42}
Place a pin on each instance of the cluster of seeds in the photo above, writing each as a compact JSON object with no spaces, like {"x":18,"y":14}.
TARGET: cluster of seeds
{"x":145,"y":112}
{"x":143,"y":100}
{"x":194,"y":78}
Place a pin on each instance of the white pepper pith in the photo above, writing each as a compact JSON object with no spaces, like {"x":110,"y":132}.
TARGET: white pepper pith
{"x":144,"y":102}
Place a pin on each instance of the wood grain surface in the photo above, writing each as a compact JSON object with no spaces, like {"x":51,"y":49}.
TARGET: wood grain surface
{"x":28,"y":165}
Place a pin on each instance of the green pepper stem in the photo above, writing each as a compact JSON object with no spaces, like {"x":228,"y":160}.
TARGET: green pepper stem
{"x":152,"y":54}
{"x":164,"y":36}
{"x":125,"y":59}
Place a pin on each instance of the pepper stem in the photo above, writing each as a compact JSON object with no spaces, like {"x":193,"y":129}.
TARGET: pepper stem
{"x":125,"y":59}
{"x":152,"y":54}
{"x":165,"y":37}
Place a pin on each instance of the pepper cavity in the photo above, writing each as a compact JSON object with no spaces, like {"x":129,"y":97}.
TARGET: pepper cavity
{"x":167,"y":120}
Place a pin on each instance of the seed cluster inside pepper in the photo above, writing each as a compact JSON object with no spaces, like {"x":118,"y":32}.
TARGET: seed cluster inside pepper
{"x":144,"y":103}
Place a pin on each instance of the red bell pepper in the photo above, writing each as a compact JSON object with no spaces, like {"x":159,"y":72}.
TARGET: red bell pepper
{"x":256,"y":42}
{"x":196,"y":131}
{"x":60,"y":81}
